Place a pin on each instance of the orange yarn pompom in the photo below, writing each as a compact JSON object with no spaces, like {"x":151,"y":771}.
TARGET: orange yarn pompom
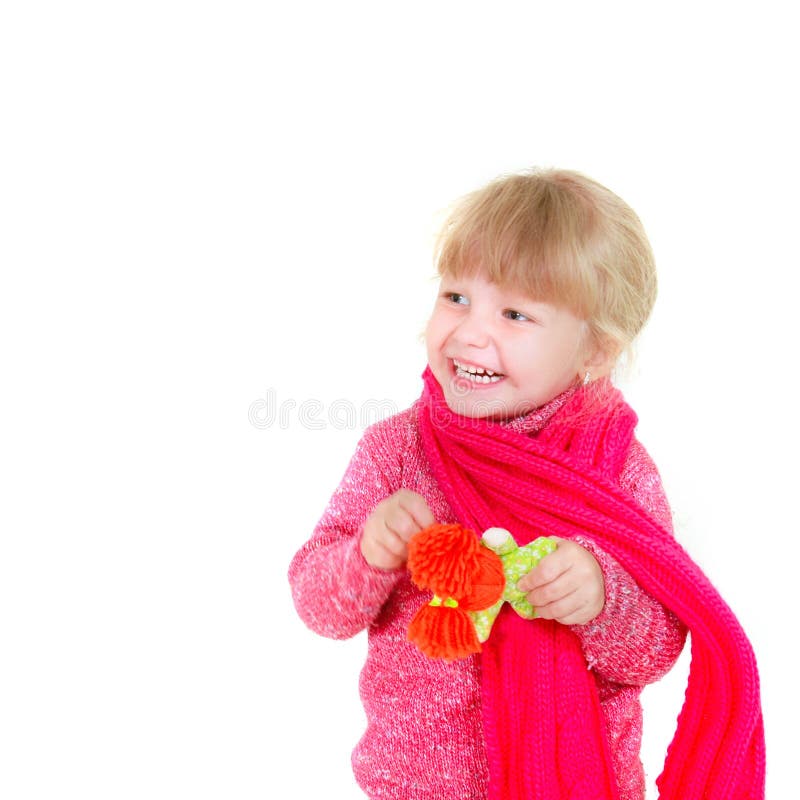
{"x":443,"y":632}
{"x":450,"y":561}
{"x":444,"y":559}
{"x":488,"y":584}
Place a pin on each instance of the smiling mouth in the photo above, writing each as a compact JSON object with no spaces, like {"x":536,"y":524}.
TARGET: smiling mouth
{"x":476,"y":374}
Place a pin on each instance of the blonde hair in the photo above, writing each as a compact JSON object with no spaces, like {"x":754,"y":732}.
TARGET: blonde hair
{"x":561,"y":238}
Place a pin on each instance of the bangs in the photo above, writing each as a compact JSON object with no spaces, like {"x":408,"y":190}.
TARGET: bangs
{"x":527,"y":233}
{"x":559,"y":238}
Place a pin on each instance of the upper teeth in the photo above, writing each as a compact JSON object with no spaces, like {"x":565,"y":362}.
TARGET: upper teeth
{"x":473,"y":370}
{"x":485,"y":374}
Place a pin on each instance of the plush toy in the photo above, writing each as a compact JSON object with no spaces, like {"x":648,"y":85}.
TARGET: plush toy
{"x":470,"y":579}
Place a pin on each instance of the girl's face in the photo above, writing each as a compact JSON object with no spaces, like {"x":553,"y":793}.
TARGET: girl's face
{"x":500,"y":354}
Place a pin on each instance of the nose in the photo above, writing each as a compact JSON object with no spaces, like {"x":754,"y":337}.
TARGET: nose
{"x":474,"y":331}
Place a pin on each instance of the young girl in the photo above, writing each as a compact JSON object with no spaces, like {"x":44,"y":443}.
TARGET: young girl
{"x":546,"y":278}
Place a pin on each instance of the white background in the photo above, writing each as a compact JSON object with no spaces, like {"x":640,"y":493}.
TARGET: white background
{"x":210,"y":207}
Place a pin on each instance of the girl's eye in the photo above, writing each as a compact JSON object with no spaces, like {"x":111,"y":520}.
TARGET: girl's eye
{"x":516,"y":315}
{"x":455,"y":297}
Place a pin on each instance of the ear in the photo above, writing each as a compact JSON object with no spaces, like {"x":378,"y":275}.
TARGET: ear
{"x":600,"y":356}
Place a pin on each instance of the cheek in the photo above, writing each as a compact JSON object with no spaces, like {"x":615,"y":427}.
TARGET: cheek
{"x":436,"y":328}
{"x":569,"y":363}
{"x":526,"y":355}
{"x":433,"y":337}
{"x":544,"y":358}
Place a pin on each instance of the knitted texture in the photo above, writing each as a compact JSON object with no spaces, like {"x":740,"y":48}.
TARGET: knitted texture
{"x":424,"y":735}
{"x":542,"y":720}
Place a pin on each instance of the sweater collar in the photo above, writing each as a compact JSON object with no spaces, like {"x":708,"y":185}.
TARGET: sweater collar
{"x":533,"y":421}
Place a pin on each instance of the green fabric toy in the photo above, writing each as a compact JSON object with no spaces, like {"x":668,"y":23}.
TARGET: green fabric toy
{"x":470,"y":580}
{"x":517,"y":562}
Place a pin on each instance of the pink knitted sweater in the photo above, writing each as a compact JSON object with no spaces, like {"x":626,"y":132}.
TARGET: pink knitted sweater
{"x":424,"y":738}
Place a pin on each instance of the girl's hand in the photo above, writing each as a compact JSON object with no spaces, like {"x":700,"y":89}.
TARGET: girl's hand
{"x":384,"y":542}
{"x":566,"y":585}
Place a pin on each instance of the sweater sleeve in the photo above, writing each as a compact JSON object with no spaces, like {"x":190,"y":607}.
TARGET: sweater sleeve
{"x":335,"y":591}
{"x":634,"y":640}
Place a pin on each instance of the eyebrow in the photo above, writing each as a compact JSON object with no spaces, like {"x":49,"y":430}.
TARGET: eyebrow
{"x":539,"y":306}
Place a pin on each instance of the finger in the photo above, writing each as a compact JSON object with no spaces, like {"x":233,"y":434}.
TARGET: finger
{"x":562,"y":608}
{"x":577,"y":608}
{"x":392,"y":542}
{"x":583,"y":613}
{"x":406,"y":520}
{"x":578,"y":617}
{"x":548,"y":570}
{"x":402,"y":524}
{"x":417,"y":508}
{"x":383,"y":549}
{"x":565,"y":585}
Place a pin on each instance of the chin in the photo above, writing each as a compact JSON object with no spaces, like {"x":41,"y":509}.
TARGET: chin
{"x":478,"y":408}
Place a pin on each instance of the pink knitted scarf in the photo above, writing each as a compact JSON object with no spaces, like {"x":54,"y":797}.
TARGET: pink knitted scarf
{"x":542,"y":721}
